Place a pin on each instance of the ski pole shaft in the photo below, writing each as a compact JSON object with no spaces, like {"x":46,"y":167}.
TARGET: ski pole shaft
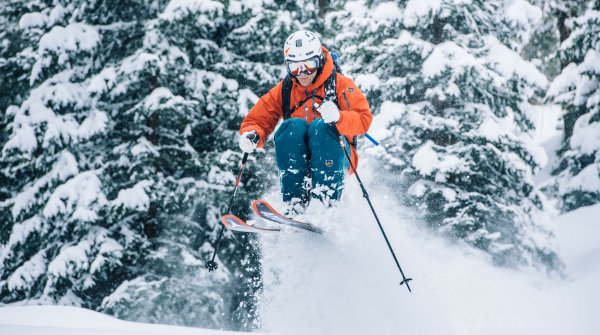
{"x":371,"y":139}
{"x":212,"y":265}
{"x":366,"y":196}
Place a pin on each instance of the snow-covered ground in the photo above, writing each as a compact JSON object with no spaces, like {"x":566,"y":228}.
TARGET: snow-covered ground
{"x":62,"y":320}
{"x":347,"y":283}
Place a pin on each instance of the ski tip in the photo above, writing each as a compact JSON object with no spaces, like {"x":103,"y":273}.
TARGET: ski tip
{"x":228,"y":220}
{"x":234,"y":223}
{"x":257,"y":203}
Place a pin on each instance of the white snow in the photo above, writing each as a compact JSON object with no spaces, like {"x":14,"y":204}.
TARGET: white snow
{"x":176,"y":9}
{"x":523,"y":14}
{"x":510,"y":63}
{"x":57,"y":13}
{"x":78,"y":193}
{"x":563,"y":85}
{"x":236,"y":7}
{"x":426,"y":159}
{"x":367,"y":81}
{"x":63,"y":43}
{"x":108,"y":246}
{"x":74,"y":37}
{"x":161,"y":98}
{"x":574,"y":85}
{"x":93,"y":124}
{"x":491,"y":129}
{"x":34,"y":112}
{"x":33,"y":20}
{"x":134,"y":197}
{"x":143,"y":146}
{"x":588,"y":179}
{"x":62,"y":320}
{"x":389,"y":112}
{"x":347,"y":282}
{"x":23,"y":139}
{"x":27,"y":273}
{"x":21,"y":230}
{"x":246,"y":99}
{"x":103,"y":81}
{"x":418,"y":10}
{"x":64,"y":167}
{"x":446,"y":55}
{"x":386,"y":11}
{"x":70,"y":259}
{"x":586,"y":135}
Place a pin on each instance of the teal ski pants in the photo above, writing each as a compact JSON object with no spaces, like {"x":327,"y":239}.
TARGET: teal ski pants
{"x":310,"y":160}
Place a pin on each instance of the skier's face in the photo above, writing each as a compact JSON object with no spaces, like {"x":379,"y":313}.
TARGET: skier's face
{"x":305,"y":79}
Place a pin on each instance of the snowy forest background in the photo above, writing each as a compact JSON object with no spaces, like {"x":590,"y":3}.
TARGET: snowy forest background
{"x":118,"y":131}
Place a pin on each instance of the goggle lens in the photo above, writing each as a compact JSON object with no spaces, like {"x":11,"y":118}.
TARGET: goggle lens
{"x":308,"y":66}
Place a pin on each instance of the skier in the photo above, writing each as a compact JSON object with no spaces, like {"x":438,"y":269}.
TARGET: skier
{"x":308,"y":152}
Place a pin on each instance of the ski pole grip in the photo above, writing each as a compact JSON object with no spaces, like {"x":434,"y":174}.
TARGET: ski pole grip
{"x":371,"y":139}
{"x":254,"y":137}
{"x":245,"y":158}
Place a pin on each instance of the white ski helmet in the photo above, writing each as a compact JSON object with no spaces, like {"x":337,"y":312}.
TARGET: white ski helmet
{"x":302,"y":45}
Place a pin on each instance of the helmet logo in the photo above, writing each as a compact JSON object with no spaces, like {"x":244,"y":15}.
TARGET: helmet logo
{"x":298,"y":43}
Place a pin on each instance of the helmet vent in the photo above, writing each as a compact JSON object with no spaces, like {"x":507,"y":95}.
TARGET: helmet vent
{"x":298,"y":43}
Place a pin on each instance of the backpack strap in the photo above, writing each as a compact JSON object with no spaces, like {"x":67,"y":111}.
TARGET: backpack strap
{"x":286,"y":93}
{"x":330,"y":93}
{"x":330,"y":86}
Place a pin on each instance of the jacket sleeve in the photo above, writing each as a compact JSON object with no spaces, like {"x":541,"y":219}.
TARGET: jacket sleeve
{"x":355,"y":114}
{"x":263,"y":117}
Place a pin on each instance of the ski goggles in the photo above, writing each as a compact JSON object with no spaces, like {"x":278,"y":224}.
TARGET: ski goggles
{"x":308,"y":66}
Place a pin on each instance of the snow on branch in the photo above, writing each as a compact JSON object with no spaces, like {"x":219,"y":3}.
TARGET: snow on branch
{"x":76,"y":196}
{"x":176,"y":9}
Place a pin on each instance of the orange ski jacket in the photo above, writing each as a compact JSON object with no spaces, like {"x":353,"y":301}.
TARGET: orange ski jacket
{"x":355,"y":115}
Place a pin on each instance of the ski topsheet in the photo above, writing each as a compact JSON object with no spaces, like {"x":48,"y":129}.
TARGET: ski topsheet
{"x":234,"y":223}
{"x":267,"y":212}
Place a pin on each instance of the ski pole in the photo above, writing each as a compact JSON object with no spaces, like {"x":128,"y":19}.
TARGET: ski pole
{"x":371,"y":139}
{"x":366,"y":196}
{"x":212,"y":265}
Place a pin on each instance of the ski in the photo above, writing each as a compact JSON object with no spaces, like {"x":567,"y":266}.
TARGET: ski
{"x":236,"y":224}
{"x":265,"y":211}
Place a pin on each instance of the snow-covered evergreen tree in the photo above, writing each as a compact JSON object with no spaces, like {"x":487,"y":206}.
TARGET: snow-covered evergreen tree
{"x":541,"y":42}
{"x":577,"y":90}
{"x":116,"y":160}
{"x":451,"y":98}
{"x":50,"y":120}
{"x":119,"y":152}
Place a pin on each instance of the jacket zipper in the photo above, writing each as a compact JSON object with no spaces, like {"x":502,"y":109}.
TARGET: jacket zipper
{"x":305,"y":107}
{"x":346,"y":98}
{"x":312,"y":104}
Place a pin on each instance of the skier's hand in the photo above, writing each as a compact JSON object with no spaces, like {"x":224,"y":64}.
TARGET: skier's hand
{"x":248,"y":141}
{"x":329,"y":112}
